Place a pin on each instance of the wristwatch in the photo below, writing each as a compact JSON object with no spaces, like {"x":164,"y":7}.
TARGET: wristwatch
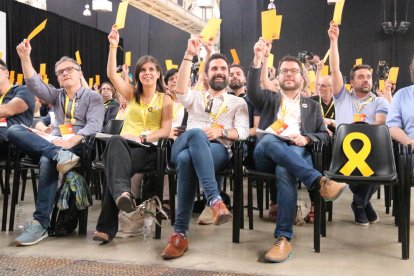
{"x":224,"y":133}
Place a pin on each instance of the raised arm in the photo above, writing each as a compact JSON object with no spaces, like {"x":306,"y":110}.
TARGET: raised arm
{"x":337,"y":80}
{"x":121,"y":86}
{"x":23,"y":50}
{"x":193,"y":47}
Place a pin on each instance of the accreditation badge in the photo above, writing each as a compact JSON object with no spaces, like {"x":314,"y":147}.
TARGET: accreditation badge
{"x":214,"y":125}
{"x":279,"y":126}
{"x":66,"y":130}
{"x":360,"y":117}
{"x":3,"y":122}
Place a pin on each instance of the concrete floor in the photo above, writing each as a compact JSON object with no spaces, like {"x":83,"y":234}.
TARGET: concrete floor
{"x":348,"y":249}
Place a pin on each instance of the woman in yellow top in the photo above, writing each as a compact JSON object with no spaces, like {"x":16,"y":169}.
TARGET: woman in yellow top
{"x":148,"y":118}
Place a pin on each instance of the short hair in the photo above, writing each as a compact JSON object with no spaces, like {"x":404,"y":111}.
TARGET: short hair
{"x":356,"y":68}
{"x":3,"y":64}
{"x":216,"y":56}
{"x":169,"y":74}
{"x":110,"y":85}
{"x":66,"y":58}
{"x":293,"y":59}
{"x":240,"y":67}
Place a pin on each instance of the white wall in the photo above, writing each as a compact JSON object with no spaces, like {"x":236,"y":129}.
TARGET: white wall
{"x":3,"y":36}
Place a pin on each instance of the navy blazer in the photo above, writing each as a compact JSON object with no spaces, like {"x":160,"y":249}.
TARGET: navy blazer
{"x":267,"y":104}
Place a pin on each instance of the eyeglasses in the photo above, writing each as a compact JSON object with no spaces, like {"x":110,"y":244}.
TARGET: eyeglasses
{"x":69,"y":70}
{"x":209,"y":106}
{"x":4,"y":68}
{"x":293,"y":71}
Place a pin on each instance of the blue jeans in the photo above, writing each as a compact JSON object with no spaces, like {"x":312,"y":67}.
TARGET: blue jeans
{"x":38,"y":147}
{"x":196,"y":160}
{"x":289,"y":163}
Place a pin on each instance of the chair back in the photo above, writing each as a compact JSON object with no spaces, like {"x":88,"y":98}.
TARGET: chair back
{"x":114,"y":126}
{"x":362,"y":152}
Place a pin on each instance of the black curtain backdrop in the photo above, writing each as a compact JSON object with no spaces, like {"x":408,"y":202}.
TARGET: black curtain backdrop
{"x":305,"y":24}
{"x":61,"y":37}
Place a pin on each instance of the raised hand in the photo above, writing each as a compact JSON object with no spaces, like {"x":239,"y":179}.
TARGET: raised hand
{"x":193,"y":46}
{"x":260,"y":48}
{"x":333,"y":31}
{"x":24,"y":49}
{"x":113,"y":37}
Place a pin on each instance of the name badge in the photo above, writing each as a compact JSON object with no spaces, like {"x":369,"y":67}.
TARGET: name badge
{"x":279,"y":126}
{"x":3,"y":122}
{"x":213,"y":125}
{"x":66,"y":130}
{"x":360,"y":117}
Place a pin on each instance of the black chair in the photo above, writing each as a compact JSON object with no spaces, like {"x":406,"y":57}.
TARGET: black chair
{"x":6,"y":166}
{"x":375,"y":165}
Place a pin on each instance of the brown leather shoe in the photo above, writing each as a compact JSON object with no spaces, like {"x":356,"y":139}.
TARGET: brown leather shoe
{"x":220,"y":213}
{"x":280,"y":251}
{"x":206,"y":217}
{"x":176,"y":247}
{"x":331,"y":190}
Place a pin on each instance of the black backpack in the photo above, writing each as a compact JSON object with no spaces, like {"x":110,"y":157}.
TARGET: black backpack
{"x":64,"y":222}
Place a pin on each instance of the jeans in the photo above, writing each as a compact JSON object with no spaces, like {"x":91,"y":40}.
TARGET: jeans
{"x":362,"y":193}
{"x":121,"y":162}
{"x":288,"y":162}
{"x":196,"y":160}
{"x":38,"y":147}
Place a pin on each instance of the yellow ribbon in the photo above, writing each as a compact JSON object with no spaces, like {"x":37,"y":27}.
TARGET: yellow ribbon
{"x":4,"y":94}
{"x":356,"y":160}
{"x":72,"y":109}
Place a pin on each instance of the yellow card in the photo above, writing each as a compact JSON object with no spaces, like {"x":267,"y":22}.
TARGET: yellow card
{"x":312,"y":76}
{"x":201,"y":68}
{"x":1,"y":54}
{"x":174,"y":66}
{"x":270,"y":60}
{"x":269,"y":24}
{"x":339,"y":6}
{"x":46,"y":81}
{"x":20,"y":79}
{"x":393,"y":74}
{"x":128,"y":58}
{"x":121,"y":15}
{"x":325,"y":58}
{"x":325,"y":70}
{"x":210,"y":31}
{"x":90,"y":83}
{"x":37,"y":30}
{"x":98,"y":79}
{"x":78,"y":58}
{"x":381,"y":85}
{"x":278,"y":26}
{"x":348,"y":87}
{"x":358,"y":61}
{"x":168,"y":64}
{"x":11,"y":76}
{"x":42,"y":70}
{"x":235,"y":56}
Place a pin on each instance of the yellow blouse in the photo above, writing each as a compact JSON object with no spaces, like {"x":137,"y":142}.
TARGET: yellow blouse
{"x":143,"y":117}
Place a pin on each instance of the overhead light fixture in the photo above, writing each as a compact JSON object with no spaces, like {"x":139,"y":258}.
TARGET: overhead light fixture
{"x":87,"y":11}
{"x":102,"y":5}
{"x":388,"y":27}
{"x":403,"y":28}
{"x":271,"y":5}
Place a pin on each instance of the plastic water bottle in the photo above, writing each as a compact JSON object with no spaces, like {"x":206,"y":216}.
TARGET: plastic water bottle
{"x":148,"y":227}
{"x":20,"y":216}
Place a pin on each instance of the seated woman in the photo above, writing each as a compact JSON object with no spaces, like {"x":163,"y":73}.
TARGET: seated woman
{"x":148,"y":118}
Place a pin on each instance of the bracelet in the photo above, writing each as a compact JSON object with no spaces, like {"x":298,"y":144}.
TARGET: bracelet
{"x":188,"y":59}
{"x":110,"y":46}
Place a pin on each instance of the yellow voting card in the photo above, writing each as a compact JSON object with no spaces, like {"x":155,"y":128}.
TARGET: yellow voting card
{"x":20,"y":79}
{"x":11,"y":76}
{"x":201,"y":68}
{"x":210,"y":31}
{"x":325,"y":70}
{"x":358,"y":61}
{"x":37,"y":30}
{"x":235,"y":56}
{"x":121,"y":15}
{"x":42,"y":70}
{"x":393,"y":74}
{"x":90,"y":83}
{"x":312,"y":76}
{"x":348,"y":87}
{"x":381,"y":85}
{"x":98,"y":79}
{"x":270,"y":60}
{"x":128,"y":58}
{"x":339,"y":6}
{"x":78,"y":58}
{"x":1,"y":54}
{"x":271,"y":24}
{"x":325,"y":58}
{"x":168,"y":64}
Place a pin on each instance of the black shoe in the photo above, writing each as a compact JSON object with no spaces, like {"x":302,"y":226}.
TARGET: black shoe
{"x":360,"y":216}
{"x":371,"y":213}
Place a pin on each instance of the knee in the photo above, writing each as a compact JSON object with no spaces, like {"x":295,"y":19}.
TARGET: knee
{"x":12,"y":131}
{"x":197,"y":134}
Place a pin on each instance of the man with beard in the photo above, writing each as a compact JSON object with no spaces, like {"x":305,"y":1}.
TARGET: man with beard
{"x":358,"y":105}
{"x":238,"y":88}
{"x":215,"y":120}
{"x":299,"y":119}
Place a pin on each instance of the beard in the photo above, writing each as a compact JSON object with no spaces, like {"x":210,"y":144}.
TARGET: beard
{"x":217,"y":86}
{"x":284,"y":87}
{"x":363,"y":89}
{"x":234,"y":85}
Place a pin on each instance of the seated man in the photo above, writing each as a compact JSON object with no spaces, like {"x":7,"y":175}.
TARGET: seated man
{"x":300,"y":120}
{"x":215,"y":119}
{"x":17,"y":105}
{"x":79,"y":113}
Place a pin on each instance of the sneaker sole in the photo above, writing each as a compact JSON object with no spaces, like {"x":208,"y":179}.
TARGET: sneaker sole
{"x":19,"y":243}
{"x":65,"y":167}
{"x":223,"y":218}
{"x":362,"y":224}
{"x":338,"y":194}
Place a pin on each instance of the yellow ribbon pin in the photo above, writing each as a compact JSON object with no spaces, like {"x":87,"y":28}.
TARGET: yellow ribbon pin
{"x":356,"y":160}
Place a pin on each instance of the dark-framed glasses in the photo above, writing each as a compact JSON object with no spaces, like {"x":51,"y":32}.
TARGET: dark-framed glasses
{"x":67,"y":69}
{"x":293,"y":71}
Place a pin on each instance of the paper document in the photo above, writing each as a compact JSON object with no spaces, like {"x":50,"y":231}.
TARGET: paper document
{"x":44,"y":135}
{"x":105,"y":137}
{"x":261,"y":132}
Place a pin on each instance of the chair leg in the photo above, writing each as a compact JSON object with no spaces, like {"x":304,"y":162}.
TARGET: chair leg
{"x":379,"y":193}
{"x":317,"y":224}
{"x":34,"y":184}
{"x":14,"y":197}
{"x":250,"y":202}
{"x":1,"y":182}
{"x":83,"y":222}
{"x":259,"y":189}
{"x":323,"y":218}
{"x":24,"y":178}
{"x":329,"y":208}
{"x":172,"y":182}
{"x":387,"y":198}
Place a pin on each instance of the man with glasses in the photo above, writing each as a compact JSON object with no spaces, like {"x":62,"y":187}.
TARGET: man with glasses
{"x":291,"y":122}
{"x":325,"y":99}
{"x":358,"y":105}
{"x":17,"y":105}
{"x":79,"y":112}
{"x":215,"y":120}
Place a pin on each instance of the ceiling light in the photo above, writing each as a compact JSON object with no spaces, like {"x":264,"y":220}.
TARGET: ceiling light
{"x":271,"y":5}
{"x":87,"y":11}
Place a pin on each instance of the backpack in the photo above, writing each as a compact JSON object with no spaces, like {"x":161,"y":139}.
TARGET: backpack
{"x":72,"y":198}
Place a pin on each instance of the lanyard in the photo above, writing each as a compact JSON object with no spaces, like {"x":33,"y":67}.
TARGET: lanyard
{"x":283,"y":110}
{"x":4,"y":94}
{"x":365,"y":102}
{"x":72,"y":109}
{"x":176,"y":109}
{"x":329,"y":108}
{"x":222,"y":109}
{"x":144,"y":111}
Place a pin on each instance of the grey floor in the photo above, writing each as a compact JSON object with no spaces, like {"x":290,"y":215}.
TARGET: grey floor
{"x":348,"y":249}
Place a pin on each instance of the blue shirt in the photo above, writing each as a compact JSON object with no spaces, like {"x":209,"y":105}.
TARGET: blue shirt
{"x":401,"y":113}
{"x":347,"y":104}
{"x":23,"y":93}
